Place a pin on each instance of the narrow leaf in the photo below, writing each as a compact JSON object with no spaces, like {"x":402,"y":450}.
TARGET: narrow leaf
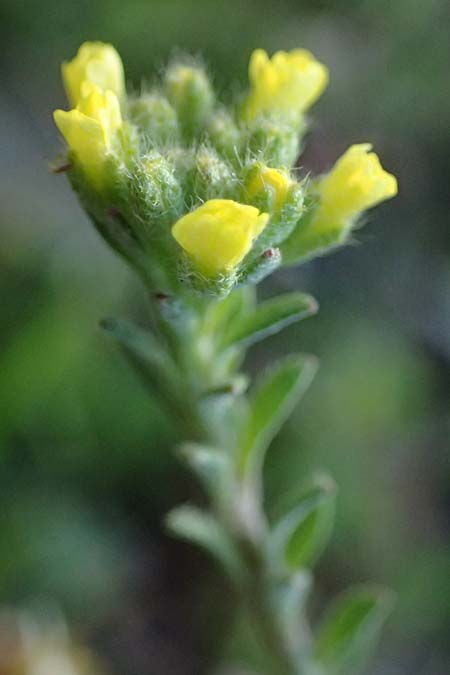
{"x":352,"y":628}
{"x":201,"y":528}
{"x":210,"y":465}
{"x":269,"y":318}
{"x":150,"y":360}
{"x":141,"y":343}
{"x":229,"y":310}
{"x":302,"y":534}
{"x":273,"y":400}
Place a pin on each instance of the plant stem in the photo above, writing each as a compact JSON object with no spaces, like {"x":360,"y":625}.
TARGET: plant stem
{"x":245,"y":521}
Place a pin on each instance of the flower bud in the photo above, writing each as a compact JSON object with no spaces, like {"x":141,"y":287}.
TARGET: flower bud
{"x":156,"y":195}
{"x":219,"y":234}
{"x":189,"y":91}
{"x":91,"y":130}
{"x":267,"y":185}
{"x":224,"y":134}
{"x":276,"y":138}
{"x":95,"y":62}
{"x":356,"y":183}
{"x":211,"y":176}
{"x":274,"y":191}
{"x":155,"y":117}
{"x":289,"y":81}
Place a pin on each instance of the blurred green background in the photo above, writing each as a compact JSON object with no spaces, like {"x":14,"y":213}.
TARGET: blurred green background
{"x":86,"y":471}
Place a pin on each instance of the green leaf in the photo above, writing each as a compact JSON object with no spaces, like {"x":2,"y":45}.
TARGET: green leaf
{"x":210,"y":465}
{"x":137,"y":341}
{"x":201,"y":528}
{"x":268,"y":318}
{"x":151,"y":361}
{"x":273,"y":400}
{"x":229,"y":310}
{"x":352,"y":628}
{"x":302,"y":534}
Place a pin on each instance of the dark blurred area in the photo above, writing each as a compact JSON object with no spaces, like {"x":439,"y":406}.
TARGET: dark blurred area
{"x":86,"y":468}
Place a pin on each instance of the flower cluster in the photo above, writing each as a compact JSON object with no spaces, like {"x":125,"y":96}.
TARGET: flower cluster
{"x":203,"y":197}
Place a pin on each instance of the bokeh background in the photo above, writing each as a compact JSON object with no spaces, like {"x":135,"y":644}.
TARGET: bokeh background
{"x":86,"y":470}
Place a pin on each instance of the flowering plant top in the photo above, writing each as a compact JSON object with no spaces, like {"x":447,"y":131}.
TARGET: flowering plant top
{"x":201,"y":197}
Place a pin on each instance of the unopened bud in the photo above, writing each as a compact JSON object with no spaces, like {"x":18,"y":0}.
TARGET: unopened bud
{"x":155,"y":117}
{"x":224,"y":134}
{"x":156,"y":194}
{"x":190,"y":92}
{"x":277,"y":140}
{"x":212,"y":177}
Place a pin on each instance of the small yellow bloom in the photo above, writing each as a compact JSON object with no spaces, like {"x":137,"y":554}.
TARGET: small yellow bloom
{"x":219,"y":234}
{"x":275,"y":181}
{"x":356,"y":183}
{"x":98,"y":63}
{"x":90,"y":129}
{"x":289,"y":81}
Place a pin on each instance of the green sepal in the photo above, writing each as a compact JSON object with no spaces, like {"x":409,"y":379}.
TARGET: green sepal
{"x":306,"y":242}
{"x":259,"y":268}
{"x":300,"y":536}
{"x":268,"y":318}
{"x":351,"y":629}
{"x":283,"y":221}
{"x":103,"y":211}
{"x":213,"y":287}
{"x":272,"y":401}
{"x":203,"y":529}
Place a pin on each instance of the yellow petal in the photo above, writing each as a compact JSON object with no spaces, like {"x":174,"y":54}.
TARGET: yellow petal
{"x":290,"y":81}
{"x":90,"y":129}
{"x":98,"y":63}
{"x":356,"y":183}
{"x":85,"y":137}
{"x":219,"y":234}
{"x":277,"y":182}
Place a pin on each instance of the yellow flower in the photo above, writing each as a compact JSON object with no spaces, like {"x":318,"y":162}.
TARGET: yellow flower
{"x":219,"y":234}
{"x":90,"y":129}
{"x":98,"y":63}
{"x":275,"y":181}
{"x":289,"y":81}
{"x":356,"y":183}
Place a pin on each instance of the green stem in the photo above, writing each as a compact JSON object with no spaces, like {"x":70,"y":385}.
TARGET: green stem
{"x":247,"y":523}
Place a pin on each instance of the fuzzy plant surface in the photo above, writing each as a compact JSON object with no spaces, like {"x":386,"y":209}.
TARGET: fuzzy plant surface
{"x":204,"y":201}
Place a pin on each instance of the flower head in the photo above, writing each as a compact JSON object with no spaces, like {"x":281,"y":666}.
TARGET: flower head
{"x":219,"y":234}
{"x":289,"y":81}
{"x":95,"y":62}
{"x":356,"y":183}
{"x":276,"y":183}
{"x":90,"y":129}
